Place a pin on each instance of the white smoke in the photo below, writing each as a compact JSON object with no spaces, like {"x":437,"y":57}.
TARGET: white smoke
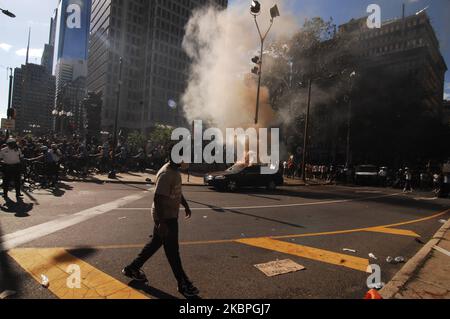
{"x":221,"y":89}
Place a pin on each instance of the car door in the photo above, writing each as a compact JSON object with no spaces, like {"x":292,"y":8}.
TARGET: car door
{"x":251,"y":176}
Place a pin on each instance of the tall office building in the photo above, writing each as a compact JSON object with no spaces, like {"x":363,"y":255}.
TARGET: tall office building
{"x":148,"y":36}
{"x":49,"y":49}
{"x":33,"y":98}
{"x":71,"y":37}
{"x":403,"y":46}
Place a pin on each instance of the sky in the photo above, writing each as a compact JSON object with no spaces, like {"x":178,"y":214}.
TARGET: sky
{"x":36,"y":14}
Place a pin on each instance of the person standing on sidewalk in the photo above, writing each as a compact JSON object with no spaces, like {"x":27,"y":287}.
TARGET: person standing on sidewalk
{"x":165,"y":211}
{"x":11,"y":157}
{"x":408,"y":181}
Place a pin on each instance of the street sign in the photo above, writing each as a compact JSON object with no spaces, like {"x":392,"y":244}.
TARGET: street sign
{"x":8,"y":124}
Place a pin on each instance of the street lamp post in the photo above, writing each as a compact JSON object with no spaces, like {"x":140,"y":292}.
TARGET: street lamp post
{"x":9,"y":98}
{"x":306,"y":133}
{"x":112,"y":174}
{"x":61,"y":121}
{"x":255,"y":10}
{"x":349,"y":120}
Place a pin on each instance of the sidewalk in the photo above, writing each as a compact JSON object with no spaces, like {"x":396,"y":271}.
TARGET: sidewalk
{"x":133,"y":178}
{"x":427,"y":274}
{"x":192,"y":180}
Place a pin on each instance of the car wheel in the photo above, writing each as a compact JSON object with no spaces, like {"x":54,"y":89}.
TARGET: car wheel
{"x":272,"y":186}
{"x":232,"y":186}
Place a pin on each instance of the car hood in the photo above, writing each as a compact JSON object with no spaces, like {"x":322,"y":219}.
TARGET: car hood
{"x":220,"y":173}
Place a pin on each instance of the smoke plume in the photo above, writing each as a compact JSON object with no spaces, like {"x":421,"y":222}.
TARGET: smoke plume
{"x":220,"y":43}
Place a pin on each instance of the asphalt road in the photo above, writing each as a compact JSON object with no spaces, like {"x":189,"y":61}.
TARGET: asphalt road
{"x":102,"y":227}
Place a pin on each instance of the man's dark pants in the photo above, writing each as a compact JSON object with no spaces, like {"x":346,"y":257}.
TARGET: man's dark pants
{"x":171,"y":248}
{"x":11,"y":173}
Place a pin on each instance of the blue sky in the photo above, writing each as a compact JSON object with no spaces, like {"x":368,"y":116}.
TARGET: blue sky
{"x":36,"y":14}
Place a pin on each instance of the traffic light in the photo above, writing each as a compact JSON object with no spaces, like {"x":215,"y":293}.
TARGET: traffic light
{"x":257,"y":69}
{"x":255,"y":9}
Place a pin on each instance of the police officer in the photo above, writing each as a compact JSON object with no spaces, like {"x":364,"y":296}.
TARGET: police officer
{"x":11,"y":157}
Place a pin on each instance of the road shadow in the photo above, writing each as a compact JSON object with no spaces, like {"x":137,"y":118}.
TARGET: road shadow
{"x":386,"y":196}
{"x":154,"y":292}
{"x":9,"y":280}
{"x":20,"y":209}
{"x":237,"y":212}
{"x":135,"y":186}
{"x":79,"y":253}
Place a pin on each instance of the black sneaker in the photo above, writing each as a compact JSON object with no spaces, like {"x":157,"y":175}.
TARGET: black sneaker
{"x":187,"y":289}
{"x":135,"y":274}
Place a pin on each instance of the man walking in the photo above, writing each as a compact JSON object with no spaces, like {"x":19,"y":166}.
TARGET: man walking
{"x":165,"y":211}
{"x":11,"y":157}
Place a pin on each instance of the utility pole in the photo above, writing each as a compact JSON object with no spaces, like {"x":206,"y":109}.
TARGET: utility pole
{"x":349,"y":119}
{"x":305,"y":138}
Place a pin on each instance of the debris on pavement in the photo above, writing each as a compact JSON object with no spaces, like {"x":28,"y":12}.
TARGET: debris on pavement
{"x":122,"y":218}
{"x":399,"y":259}
{"x":44,"y":281}
{"x":371,"y":255}
{"x":205,"y":217}
{"x":396,"y":260}
{"x":349,"y":250}
{"x":442,"y":221}
{"x":279,"y":267}
{"x":7,"y":293}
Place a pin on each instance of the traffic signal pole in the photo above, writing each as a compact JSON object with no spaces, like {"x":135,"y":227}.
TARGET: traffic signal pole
{"x":259,"y":81}
{"x":8,"y":113}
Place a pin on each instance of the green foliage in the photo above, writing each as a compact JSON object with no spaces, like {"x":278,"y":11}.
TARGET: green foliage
{"x":137,"y":140}
{"x":161,"y":135}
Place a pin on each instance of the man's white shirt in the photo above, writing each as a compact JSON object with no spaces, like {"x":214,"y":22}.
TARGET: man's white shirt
{"x":10,"y":156}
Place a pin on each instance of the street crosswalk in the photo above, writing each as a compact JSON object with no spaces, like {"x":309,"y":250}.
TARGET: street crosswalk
{"x":55,"y":265}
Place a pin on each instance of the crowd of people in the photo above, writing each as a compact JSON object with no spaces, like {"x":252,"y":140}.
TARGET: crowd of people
{"x":45,"y":159}
{"x":422,"y":178}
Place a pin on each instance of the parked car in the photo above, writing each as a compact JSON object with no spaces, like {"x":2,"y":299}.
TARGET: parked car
{"x":366,"y":175}
{"x":240,"y":176}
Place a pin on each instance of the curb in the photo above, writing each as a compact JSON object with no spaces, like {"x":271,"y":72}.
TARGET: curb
{"x":120,"y":182}
{"x":404,"y":275}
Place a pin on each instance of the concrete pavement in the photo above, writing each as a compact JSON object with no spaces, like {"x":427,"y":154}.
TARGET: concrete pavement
{"x":426,"y":275}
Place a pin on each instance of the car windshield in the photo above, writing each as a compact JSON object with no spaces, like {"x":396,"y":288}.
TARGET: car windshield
{"x":237,"y":168}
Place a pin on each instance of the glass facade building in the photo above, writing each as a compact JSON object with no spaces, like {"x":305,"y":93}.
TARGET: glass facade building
{"x":148,"y":36}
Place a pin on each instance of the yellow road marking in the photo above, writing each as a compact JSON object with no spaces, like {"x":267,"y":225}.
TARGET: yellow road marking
{"x":309,"y":253}
{"x":394,"y":231}
{"x":224,"y":241}
{"x":338,"y":232}
{"x":54,"y":263}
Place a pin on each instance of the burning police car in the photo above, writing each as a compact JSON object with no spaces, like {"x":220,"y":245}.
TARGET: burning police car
{"x":241,"y":176}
